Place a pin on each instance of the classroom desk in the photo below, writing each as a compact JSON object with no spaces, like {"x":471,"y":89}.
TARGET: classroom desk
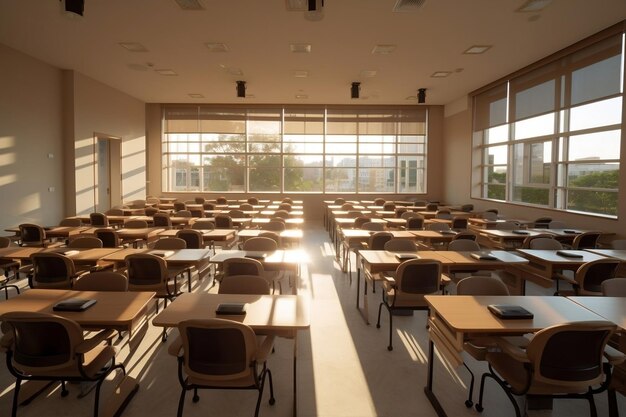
{"x":80,"y":256}
{"x":349,"y":236}
{"x":546,"y":263}
{"x":289,"y":235}
{"x":225,"y":236}
{"x":568,"y":235}
{"x":506,"y":239}
{"x":430,"y":238}
{"x":282,"y":315}
{"x":376,"y":261}
{"x":611,"y":308}
{"x":453,"y":319}
{"x":147,"y":234}
{"x":113,"y":310}
{"x":296,"y":222}
{"x":610,"y":253}
{"x":292,"y":213}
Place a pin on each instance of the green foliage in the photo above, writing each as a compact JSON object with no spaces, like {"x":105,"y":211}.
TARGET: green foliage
{"x":602,"y":202}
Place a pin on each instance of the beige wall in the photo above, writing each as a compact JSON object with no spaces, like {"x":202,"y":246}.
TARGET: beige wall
{"x":313,"y":202}
{"x":31,"y":144}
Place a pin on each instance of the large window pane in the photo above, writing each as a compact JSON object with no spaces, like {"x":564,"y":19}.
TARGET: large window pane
{"x":535,"y":126}
{"x":601,"y":113}
{"x":600,"y":202}
{"x":340,"y":180}
{"x":601,"y":145}
{"x":376,"y":180}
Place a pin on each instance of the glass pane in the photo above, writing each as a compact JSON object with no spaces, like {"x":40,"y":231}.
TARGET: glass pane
{"x":411,"y":148}
{"x":598,"y":175}
{"x":496,"y":155}
{"x":341,"y":180}
{"x":387,"y":148}
{"x":531,"y":195}
{"x":224,"y":176}
{"x":600,"y":202}
{"x":496,"y":174}
{"x":303,"y":179}
{"x":496,"y":192}
{"x":497,"y":134}
{"x":376,"y":180}
{"x":597,"y":80}
{"x":264,"y":147}
{"x":410,"y":178}
{"x":534,"y":100}
{"x":303,"y":160}
{"x":601,"y":145}
{"x":536,"y":126}
{"x":264,"y":179}
{"x":299,"y":148}
{"x":532,"y":163}
{"x":601,"y":113}
{"x":340,"y":161}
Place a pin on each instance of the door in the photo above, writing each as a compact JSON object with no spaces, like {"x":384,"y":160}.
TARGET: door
{"x":103,"y":177}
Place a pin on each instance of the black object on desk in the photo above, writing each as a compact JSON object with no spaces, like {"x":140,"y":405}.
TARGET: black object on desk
{"x":506,"y":312}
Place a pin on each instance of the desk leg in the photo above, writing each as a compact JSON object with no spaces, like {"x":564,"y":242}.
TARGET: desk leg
{"x":364,"y":311}
{"x":295,"y":374}
{"x":428,"y":389}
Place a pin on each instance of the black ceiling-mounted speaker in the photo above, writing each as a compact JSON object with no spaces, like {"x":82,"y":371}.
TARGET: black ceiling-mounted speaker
{"x":355,"y":89}
{"x":75,"y":6}
{"x":421,"y":96}
{"x":241,"y":89}
{"x":314,"y":5}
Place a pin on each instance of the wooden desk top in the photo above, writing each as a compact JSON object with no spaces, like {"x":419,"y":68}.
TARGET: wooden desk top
{"x":216,"y":234}
{"x":268,"y":312}
{"x":551,"y":256}
{"x":111,"y":308}
{"x":361,"y":234}
{"x":382,"y":258}
{"x":611,"y":308}
{"x":188,"y":255}
{"x":433,"y":235}
{"x":610,"y":253}
{"x":285,"y":234}
{"x":281,"y":256}
{"x":138,"y":233}
{"x":469,"y":314}
{"x":120,"y":255}
{"x":511,"y":234}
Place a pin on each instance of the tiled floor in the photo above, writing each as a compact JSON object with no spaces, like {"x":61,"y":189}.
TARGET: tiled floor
{"x":344,"y":368}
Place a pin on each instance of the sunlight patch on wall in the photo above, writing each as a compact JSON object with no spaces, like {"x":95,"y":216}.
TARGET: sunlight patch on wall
{"x":7,"y":142}
{"x":7,"y":159}
{"x":7,"y":179}
{"x":29,"y":203}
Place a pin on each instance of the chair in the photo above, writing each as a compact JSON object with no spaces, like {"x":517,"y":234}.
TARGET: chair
{"x":284,"y":206}
{"x":468,"y":208}
{"x":221,"y":200}
{"x":550,"y":367}
{"x":389,"y":207}
{"x":199,"y":200}
{"x":590,"y":275}
{"x":400,"y":245}
{"x":244,"y":284}
{"x":98,"y":220}
{"x":114,"y":212}
{"x":438,"y":227}
{"x":237,"y":214}
{"x":85,"y":242}
{"x":182,"y":213}
{"x":179,"y":206}
{"x":70,"y":223}
{"x":287,"y":200}
{"x":253,"y":200}
{"x":32,"y":235}
{"x":373,"y":226}
{"x":102,"y":281}
{"x":203,"y":224}
{"x":170,"y":243}
{"x":347,"y":206}
{"x":463,"y":245}
{"x":209,"y":206}
{"x":490,"y":215}
{"x":443,"y":214}
{"x":546,"y":243}
{"x":135,"y":224}
{"x":8,"y":265}
{"x":379,"y":202}
{"x":51,"y":270}
{"x":221,"y":354}
{"x":147,"y":272}
{"x":109,"y":238}
{"x":274,"y":236}
{"x":47,"y":347}
{"x":406,"y":215}
{"x":459,"y":223}
{"x":360,"y":221}
{"x":162,"y":220}
{"x":151,"y":211}
{"x":241,"y":266}
{"x":274,"y":226}
{"x":555,"y":224}
{"x":542,"y":222}
{"x":223,"y":221}
{"x":406,"y":289}
{"x":464,"y":236}
{"x":193,"y":238}
{"x":432,"y":207}
{"x":415,"y":223}
{"x":265,"y":244}
{"x":281,"y":213}
{"x":614,"y":287}
{"x":339,"y":201}
{"x":246,"y":207}
{"x":587,"y":240}
{"x":377,"y":240}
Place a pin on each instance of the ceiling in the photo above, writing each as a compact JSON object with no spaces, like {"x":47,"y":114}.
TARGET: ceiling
{"x":258,"y":34}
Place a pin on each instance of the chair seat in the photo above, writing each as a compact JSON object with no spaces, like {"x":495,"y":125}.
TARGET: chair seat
{"x":478,"y":347}
{"x":403,"y":299}
{"x":94,"y":360}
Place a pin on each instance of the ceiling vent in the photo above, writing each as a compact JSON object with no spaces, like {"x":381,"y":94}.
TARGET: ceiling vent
{"x":190,"y":4}
{"x":408,"y":5}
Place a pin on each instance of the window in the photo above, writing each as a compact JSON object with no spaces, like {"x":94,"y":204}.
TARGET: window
{"x":297,"y":149}
{"x":551,"y":136}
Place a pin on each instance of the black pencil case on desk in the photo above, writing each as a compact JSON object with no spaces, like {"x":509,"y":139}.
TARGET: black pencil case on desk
{"x":568,"y":254}
{"x":509,"y":312}
{"x":74,"y":304}
{"x":231,"y":309}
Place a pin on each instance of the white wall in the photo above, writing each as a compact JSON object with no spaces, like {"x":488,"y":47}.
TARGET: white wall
{"x":30,"y":130}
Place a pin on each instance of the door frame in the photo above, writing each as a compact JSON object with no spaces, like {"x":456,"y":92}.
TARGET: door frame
{"x":115,"y":168}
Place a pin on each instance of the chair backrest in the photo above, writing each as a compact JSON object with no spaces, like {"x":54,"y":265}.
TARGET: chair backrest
{"x":162,"y":220}
{"x":199,"y":200}
{"x":151,"y":211}
{"x":218,"y":351}
{"x":464,"y":236}
{"x":284,"y":206}
{"x":547,"y":243}
{"x":461,"y":245}
{"x":223,"y":221}
{"x":419,"y":276}
{"x":98,"y":220}
{"x":221,"y":200}
{"x":52,"y":270}
{"x":109,"y":238}
{"x":459,"y":223}
{"x":432,"y":207}
{"x":481,"y":285}
{"x":145,"y":270}
{"x":373,"y":226}
{"x":590,"y":275}
{"x":70,"y":222}
{"x":360,"y":221}
{"x":508,"y":225}
{"x":408,"y":214}
{"x":443,"y":214}
{"x":415,"y":223}
{"x":553,"y":360}
{"x":85,"y":242}
{"x":587,"y":240}
{"x":192,"y":237}
{"x":203,"y":224}
{"x":242,"y":266}
{"x":339,"y":201}
{"x":281,"y":213}
{"x":246,"y":207}
{"x":379,"y":202}
{"x":489,"y":215}
{"x":467,"y":208}
{"x":244,"y":284}
{"x":182,"y":213}
{"x":614,"y":287}
{"x":208,"y":206}
{"x":260,"y":244}
{"x":135,"y":224}
{"x":555,"y":224}
{"x":542,"y":222}
{"x":5,"y":242}
{"x":273,"y":225}
{"x":237,"y":214}
{"x":377,"y":240}
{"x":32,"y":235}
{"x":114,"y":212}
{"x":389,"y":207}
{"x":438,"y":226}
{"x":287,"y":200}
{"x":354,"y":214}
{"x":102,"y":281}
{"x":400,"y":245}
{"x":170,"y":243}
{"x":179,"y":205}
{"x":152,"y":200}
{"x":272,"y":235}
{"x":253,"y":200}
{"x":43,"y":343}
{"x":347,"y":206}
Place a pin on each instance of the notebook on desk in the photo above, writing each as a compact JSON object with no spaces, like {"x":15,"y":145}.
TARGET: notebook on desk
{"x":520,"y":232}
{"x":506,"y":311}
{"x":483,"y":256}
{"x":74,"y":304}
{"x":406,"y":256}
{"x":568,"y":254}
{"x":259,"y":256}
{"x":231,"y":309}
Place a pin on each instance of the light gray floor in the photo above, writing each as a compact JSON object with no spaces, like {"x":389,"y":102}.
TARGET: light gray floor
{"x":344,"y":368}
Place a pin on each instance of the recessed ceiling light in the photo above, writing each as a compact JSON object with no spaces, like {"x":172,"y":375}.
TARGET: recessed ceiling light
{"x":459,"y":70}
{"x":408,"y":5}
{"x":133,"y":46}
{"x":190,"y":4}
{"x":300,"y":73}
{"x":383,"y":49}
{"x":216,"y":47}
{"x":195,"y":95}
{"x":441,"y":74}
{"x":477,"y":49}
{"x":301,"y":96}
{"x":301,"y":48}
{"x":533,"y":6}
{"x":167,"y":72}
{"x":234,"y":71}
{"x":368,"y":73}
{"x":411,"y":98}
